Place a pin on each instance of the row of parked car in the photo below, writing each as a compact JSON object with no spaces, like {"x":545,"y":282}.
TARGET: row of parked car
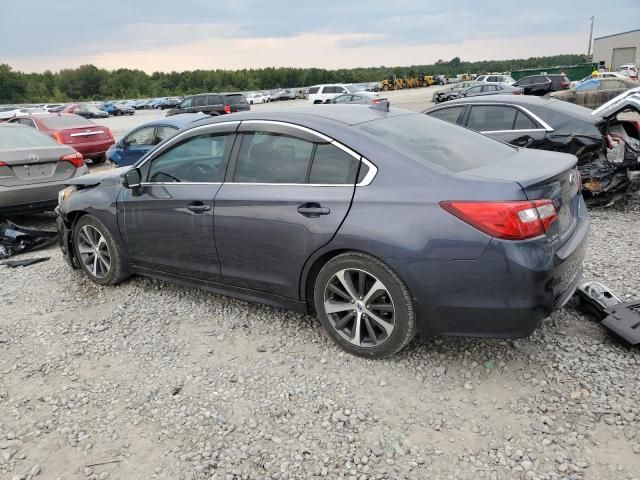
{"x":591,"y":92}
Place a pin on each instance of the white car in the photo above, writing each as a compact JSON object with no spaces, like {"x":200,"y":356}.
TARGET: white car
{"x":255,"y":97}
{"x":629,"y":70}
{"x":506,"y":79}
{"x":326,"y":93}
{"x":9,"y":112}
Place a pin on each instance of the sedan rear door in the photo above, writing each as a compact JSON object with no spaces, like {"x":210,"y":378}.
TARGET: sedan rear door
{"x":286,"y":193}
{"x":506,"y":123}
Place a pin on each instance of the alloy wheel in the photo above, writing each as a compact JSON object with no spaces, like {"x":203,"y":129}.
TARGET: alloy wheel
{"x":94,"y":251}
{"x":359,"y":307}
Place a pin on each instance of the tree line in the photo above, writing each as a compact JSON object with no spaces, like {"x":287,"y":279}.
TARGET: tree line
{"x":88,"y":82}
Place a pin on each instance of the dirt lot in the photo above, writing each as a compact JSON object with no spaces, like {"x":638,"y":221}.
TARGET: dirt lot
{"x":150,"y":380}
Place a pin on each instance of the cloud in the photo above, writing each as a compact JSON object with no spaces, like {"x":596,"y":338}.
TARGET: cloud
{"x":165,"y":34}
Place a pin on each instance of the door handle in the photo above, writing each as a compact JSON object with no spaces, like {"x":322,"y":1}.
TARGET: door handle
{"x":198,"y":207}
{"x":313,"y":210}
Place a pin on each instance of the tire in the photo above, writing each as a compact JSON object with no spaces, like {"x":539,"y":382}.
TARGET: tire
{"x":99,"y":160}
{"x":394,"y":325}
{"x":83,"y":236}
{"x":385,"y":88}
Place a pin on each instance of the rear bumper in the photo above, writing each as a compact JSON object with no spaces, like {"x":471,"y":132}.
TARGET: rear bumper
{"x":37,"y":197}
{"x":93,"y":149}
{"x":505,"y":293}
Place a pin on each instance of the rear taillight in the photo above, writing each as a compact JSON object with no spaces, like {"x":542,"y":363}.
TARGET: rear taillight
{"x":110,"y":133}
{"x":3,"y":164}
{"x":57,"y":136}
{"x":564,"y":84}
{"x":375,"y":101}
{"x":227,"y":109}
{"x":516,"y":220}
{"x":74,"y":158}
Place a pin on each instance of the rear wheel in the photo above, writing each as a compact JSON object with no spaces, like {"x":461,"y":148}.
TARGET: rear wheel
{"x":364,"y":305}
{"x":97,"y":252}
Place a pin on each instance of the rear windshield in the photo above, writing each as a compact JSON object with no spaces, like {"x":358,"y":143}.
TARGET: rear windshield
{"x":429,"y":140}
{"x":235,"y":98}
{"x":66,"y":121}
{"x":11,"y":137}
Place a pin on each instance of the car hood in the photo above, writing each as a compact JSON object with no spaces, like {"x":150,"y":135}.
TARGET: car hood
{"x":629,"y":99}
{"x":106,"y":177}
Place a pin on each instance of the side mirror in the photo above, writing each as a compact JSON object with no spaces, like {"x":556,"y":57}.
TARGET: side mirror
{"x":132,"y":178}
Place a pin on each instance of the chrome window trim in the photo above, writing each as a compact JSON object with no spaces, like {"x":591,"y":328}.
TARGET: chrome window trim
{"x":371,"y":174}
{"x":515,"y":130}
{"x":287,"y":124}
{"x":175,"y":139}
{"x":544,"y":124}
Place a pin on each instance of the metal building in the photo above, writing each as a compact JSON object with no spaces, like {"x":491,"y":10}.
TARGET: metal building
{"x":618,"y":49}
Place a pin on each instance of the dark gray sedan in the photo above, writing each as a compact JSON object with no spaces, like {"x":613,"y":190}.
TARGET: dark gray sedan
{"x":33,"y":169}
{"x":386,"y":223}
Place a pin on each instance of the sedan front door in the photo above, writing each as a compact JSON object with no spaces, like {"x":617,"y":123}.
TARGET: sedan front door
{"x":168,"y":220}
{"x":286,"y":194}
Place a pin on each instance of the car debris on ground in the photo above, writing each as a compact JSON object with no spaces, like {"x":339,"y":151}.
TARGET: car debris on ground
{"x":621,"y":318}
{"x":15,"y":239}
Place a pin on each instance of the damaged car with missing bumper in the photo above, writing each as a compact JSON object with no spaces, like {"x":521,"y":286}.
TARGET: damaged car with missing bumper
{"x":385,"y":222}
{"x":606,"y":140}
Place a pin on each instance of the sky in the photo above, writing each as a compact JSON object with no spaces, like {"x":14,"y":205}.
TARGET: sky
{"x":177,"y":35}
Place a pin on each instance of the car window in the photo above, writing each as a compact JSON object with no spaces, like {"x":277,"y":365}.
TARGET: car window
{"x":492,"y":78}
{"x":359,"y":99}
{"x":474,"y":89}
{"x":271,"y":158}
{"x":523,"y":122}
{"x":26,"y":121}
{"x":481,"y":78}
{"x":200,"y":101}
{"x":588,"y":85}
{"x":163,"y":132}
{"x":343,"y":98}
{"x":144,"y":136}
{"x":186,"y":103}
{"x":422,"y":139}
{"x":314,"y":89}
{"x":198,"y":159}
{"x":489,"y":88}
{"x":491,"y":118}
{"x":524,"y":81}
{"x":234,"y":99}
{"x":331,"y":165}
{"x":450,"y":114}
{"x":214,"y":100}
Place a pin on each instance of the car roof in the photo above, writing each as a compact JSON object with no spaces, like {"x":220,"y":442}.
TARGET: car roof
{"x":315,"y":115}
{"x":178,"y":121}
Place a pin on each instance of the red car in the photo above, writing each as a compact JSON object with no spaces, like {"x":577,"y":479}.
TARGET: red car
{"x":91,"y":140}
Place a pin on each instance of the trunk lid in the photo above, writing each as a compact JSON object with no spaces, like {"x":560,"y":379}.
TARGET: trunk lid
{"x":542,"y":175}
{"x":32,"y":165}
{"x":71,"y":136}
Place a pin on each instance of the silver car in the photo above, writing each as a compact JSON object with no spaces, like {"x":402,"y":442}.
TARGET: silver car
{"x":33,"y":169}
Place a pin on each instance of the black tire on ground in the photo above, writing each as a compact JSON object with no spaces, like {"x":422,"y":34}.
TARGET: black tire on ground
{"x":396,"y":296}
{"x":99,"y":160}
{"x":84,"y":230}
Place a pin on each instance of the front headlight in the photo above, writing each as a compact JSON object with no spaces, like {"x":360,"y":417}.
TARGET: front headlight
{"x":66,"y":193}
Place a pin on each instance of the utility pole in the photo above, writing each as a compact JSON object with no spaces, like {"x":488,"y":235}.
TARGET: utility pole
{"x":590,"y":35}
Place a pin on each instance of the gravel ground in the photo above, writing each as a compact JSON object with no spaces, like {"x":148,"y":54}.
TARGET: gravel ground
{"x":149,"y":380}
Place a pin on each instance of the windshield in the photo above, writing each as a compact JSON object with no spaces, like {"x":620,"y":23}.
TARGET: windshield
{"x":429,"y":140}
{"x":11,"y":137}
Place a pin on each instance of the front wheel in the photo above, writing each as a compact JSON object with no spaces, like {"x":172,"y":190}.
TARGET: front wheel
{"x":364,"y":305}
{"x":97,"y":252}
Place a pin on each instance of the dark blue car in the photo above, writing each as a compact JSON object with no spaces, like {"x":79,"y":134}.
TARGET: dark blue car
{"x":139,"y":141}
{"x":386,"y":224}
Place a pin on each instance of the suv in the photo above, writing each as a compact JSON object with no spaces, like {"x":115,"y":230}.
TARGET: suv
{"x":211,"y":104}
{"x":326,"y":93}
{"x":542,"y":84}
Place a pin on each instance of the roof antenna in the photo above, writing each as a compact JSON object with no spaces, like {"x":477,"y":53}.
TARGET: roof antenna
{"x":383,"y":105}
